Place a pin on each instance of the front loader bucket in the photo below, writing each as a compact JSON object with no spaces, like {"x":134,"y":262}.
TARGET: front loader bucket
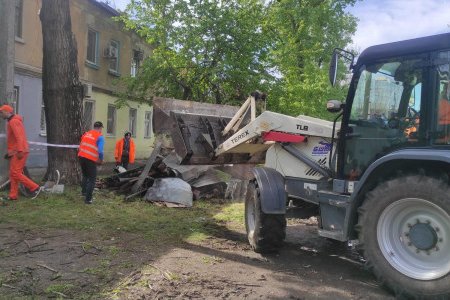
{"x":162,"y":107}
{"x":196,"y":131}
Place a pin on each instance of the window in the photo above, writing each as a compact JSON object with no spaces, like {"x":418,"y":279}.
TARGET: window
{"x":43,"y":124}
{"x":111,"y":124}
{"x":15,"y":99}
{"x":443,"y":126}
{"x":132,"y":125}
{"x":92,"y":47}
{"x":114,"y":57}
{"x":18,"y":18}
{"x":148,"y":130}
{"x":135,"y":62}
{"x":385,"y":113}
{"x":88,"y":115}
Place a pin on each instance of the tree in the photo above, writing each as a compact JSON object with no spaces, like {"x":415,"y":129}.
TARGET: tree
{"x":220,"y":51}
{"x":212,"y":51}
{"x":304,"y":34}
{"x":6,"y":70}
{"x":62,"y":89}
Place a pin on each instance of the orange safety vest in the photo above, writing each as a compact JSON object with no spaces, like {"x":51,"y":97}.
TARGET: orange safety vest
{"x":88,"y":146}
{"x":119,"y":149}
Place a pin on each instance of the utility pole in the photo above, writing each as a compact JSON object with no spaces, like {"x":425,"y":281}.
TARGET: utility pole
{"x":7,"y":13}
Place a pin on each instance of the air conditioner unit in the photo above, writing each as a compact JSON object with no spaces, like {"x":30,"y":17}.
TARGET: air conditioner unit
{"x":87,"y":89}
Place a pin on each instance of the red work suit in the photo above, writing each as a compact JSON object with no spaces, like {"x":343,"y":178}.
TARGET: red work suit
{"x":18,"y":152}
{"x":444,"y":112}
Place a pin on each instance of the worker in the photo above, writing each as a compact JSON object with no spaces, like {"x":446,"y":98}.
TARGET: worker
{"x":17,"y":153}
{"x":444,"y":109}
{"x":125,"y":151}
{"x":90,"y":154}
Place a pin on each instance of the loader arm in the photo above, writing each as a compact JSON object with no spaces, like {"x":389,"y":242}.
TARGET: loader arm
{"x":208,"y":134}
{"x":250,"y":138}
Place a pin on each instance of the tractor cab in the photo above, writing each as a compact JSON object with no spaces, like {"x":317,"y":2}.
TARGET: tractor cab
{"x":398,"y":99}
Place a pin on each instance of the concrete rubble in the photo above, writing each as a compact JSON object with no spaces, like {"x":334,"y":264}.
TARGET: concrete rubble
{"x":164,"y":180}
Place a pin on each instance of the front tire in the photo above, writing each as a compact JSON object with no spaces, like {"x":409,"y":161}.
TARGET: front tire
{"x":405,"y":233}
{"x":265,"y":232}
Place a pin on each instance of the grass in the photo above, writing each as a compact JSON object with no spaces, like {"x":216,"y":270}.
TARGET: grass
{"x":59,"y":289}
{"x":110,"y":214}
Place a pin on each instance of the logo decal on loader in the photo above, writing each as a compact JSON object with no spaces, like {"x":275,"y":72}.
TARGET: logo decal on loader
{"x":239,"y":137}
{"x":322,"y":149}
{"x":302,"y":127}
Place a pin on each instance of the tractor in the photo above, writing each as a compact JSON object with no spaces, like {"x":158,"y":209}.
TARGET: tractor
{"x":378,"y":174}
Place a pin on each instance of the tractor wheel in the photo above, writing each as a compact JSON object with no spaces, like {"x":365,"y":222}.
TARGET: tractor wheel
{"x":405,"y":234}
{"x":265,"y":232}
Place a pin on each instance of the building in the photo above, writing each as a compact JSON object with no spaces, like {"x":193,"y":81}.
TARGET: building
{"x":106,"y":52}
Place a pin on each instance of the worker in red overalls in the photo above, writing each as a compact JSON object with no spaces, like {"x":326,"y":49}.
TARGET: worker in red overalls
{"x":17,"y":146}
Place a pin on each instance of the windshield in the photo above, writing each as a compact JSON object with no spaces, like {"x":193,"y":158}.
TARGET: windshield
{"x":385,"y":113}
{"x":380,"y":90}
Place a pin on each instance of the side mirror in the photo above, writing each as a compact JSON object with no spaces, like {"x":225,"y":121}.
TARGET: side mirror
{"x":337,"y":52}
{"x":332,"y":72}
{"x":334,"y":106}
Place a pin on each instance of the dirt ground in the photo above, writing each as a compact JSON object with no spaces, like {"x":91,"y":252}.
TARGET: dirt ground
{"x":71,"y":264}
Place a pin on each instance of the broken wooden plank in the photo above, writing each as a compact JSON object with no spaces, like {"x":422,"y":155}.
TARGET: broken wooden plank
{"x":147,"y":168}
{"x":138,"y":193}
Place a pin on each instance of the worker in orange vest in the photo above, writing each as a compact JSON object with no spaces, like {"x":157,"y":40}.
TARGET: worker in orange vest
{"x":17,"y":153}
{"x":90,"y":154}
{"x":125,"y":151}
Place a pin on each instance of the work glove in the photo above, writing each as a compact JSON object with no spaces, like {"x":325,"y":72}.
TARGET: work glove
{"x":7,"y":156}
{"x":19,"y":155}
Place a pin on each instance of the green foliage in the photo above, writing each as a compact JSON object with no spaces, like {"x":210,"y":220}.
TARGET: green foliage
{"x":220,"y":51}
{"x":304,"y":34}
{"x":211,"y":51}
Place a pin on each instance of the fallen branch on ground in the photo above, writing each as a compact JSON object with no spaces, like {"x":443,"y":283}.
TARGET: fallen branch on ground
{"x":47,"y":267}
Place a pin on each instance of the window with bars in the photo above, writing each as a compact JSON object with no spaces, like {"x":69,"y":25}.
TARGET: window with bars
{"x":148,"y":130}
{"x":15,"y":99}
{"x":18,"y":18}
{"x":135,"y":62}
{"x":133,"y":118}
{"x":43,"y":124}
{"x":111,"y":122}
{"x":88,"y":115}
{"x":114,"y":59}
{"x":92,"y":47}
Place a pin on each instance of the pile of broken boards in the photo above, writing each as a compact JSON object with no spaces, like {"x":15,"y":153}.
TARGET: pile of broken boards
{"x":165,"y":182}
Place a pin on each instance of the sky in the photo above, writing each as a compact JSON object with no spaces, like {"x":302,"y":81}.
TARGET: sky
{"x":385,"y":21}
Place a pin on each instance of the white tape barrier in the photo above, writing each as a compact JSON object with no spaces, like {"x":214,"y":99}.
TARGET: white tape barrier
{"x":2,"y":135}
{"x":53,"y":145}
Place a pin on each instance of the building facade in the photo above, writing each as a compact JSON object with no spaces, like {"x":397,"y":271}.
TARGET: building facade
{"x":106,"y":53}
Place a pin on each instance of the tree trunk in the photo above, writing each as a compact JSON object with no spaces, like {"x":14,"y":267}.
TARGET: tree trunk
{"x":62,"y":89}
{"x":6,"y":72}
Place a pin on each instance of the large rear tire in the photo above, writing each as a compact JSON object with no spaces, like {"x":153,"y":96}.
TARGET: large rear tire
{"x":405,"y":234}
{"x":265,"y":232}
